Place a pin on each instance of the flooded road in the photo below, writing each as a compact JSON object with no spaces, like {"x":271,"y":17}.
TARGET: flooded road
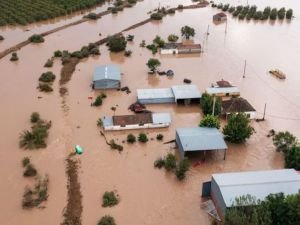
{"x":148,"y":196}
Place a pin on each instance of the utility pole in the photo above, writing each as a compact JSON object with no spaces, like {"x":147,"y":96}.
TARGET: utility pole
{"x":226,"y":27}
{"x":214,"y":104}
{"x":264,"y":111}
{"x":207,"y":32}
{"x":245,"y":65}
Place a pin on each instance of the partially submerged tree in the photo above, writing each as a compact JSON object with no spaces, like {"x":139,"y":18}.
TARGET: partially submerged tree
{"x":117,"y":43}
{"x":107,"y":220}
{"x":283,"y":141}
{"x":173,"y":38}
{"x":187,"y":32}
{"x":207,"y":104}
{"x":109,"y":199}
{"x":210,"y":121}
{"x":36,"y":38}
{"x":292,"y":158}
{"x":153,"y":64}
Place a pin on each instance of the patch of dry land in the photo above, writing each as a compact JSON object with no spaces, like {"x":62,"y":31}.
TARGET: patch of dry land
{"x":148,"y":196}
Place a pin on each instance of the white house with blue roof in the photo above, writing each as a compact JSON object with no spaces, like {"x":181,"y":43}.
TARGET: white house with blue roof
{"x":107,"y":77}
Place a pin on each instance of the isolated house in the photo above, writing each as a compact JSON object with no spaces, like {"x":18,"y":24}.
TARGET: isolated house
{"x":219,"y":17}
{"x":180,"y":94}
{"x":236,"y":105}
{"x":107,"y":77}
{"x":199,"y":139}
{"x":137,"y":121}
{"x":224,"y":188}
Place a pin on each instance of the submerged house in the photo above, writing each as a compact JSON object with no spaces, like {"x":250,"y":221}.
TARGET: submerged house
{"x":137,"y":121}
{"x":181,"y":48}
{"x":180,"y":94}
{"x":224,"y":188}
{"x":223,"y":91}
{"x":220,"y":17}
{"x":199,"y":139}
{"x":169,"y":48}
{"x":107,"y":77}
{"x":236,"y":105}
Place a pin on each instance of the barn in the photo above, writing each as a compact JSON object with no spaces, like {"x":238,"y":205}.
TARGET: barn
{"x":107,"y":77}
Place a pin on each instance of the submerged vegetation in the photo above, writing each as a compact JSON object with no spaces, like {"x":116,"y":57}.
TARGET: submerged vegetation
{"x":36,"y":38}
{"x":14,"y":57}
{"x":47,"y":77}
{"x":107,"y":220}
{"x":110,"y":199}
{"x":117,"y":43}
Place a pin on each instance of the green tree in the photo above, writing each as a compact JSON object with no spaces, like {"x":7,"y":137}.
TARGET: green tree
{"x":173,"y":38}
{"x":117,"y":43}
{"x":107,"y":220}
{"x":131,"y":138}
{"x":181,"y":169}
{"x":170,"y":162}
{"x":210,"y":121}
{"x":143,"y":138}
{"x":238,"y":128}
{"x":289,"y":14}
{"x":159,"y":41}
{"x":283,"y":141}
{"x":207,"y":102}
{"x":187,"y":32}
{"x":109,"y":199}
{"x":292,"y":158}
{"x":153,"y":64}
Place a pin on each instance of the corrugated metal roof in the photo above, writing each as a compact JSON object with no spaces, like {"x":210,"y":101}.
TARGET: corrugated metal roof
{"x":155,"y":93}
{"x":257,"y":183}
{"x":107,"y":121}
{"x":201,"y":139}
{"x":220,"y":90}
{"x":112,"y":72}
{"x":186,"y":91}
{"x":159,"y":118}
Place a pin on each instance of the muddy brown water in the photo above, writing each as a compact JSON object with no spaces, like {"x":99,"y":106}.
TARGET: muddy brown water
{"x":148,"y":196}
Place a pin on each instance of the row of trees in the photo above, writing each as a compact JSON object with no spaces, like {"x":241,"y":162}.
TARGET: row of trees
{"x":23,"y":12}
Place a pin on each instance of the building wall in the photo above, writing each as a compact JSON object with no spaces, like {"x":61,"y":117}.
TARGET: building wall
{"x":156,"y":100}
{"x":217,"y":198}
{"x":137,"y":126}
{"x":168,"y":51}
{"x":179,"y":146}
{"x":107,"y":84}
{"x":187,"y":51}
{"x":251,"y":115}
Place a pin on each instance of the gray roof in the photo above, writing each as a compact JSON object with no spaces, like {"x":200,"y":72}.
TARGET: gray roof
{"x":159,"y":118}
{"x":155,"y":93}
{"x":111,"y":72}
{"x":186,"y":91}
{"x":220,"y":90}
{"x":107,"y":121}
{"x":201,"y":139}
{"x":257,"y":183}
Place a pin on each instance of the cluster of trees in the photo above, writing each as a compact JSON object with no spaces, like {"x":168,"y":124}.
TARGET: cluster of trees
{"x":159,"y":13}
{"x":24,"y":12}
{"x":288,"y":144}
{"x":119,"y":5}
{"x":276,"y":209}
{"x":46,"y":81}
{"x":251,"y":12}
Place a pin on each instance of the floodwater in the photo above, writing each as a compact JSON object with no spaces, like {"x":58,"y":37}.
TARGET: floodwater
{"x":148,"y":196}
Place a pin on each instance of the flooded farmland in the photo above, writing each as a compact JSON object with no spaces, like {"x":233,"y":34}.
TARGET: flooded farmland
{"x":147,"y":195}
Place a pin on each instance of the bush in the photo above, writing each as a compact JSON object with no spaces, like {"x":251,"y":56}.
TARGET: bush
{"x":289,"y":14}
{"x":45,"y":87}
{"x":225,"y":7}
{"x":94,"y":51}
{"x":49,"y":63}
{"x":25,"y":161}
{"x":159,"y":137}
{"x":115,"y":146}
{"x":207,"y":102}
{"x":128,"y":53}
{"x":173,"y":38}
{"x":30,"y":171}
{"x":238,"y":128}
{"x":47,"y":77}
{"x":283,"y":141}
{"x":143,"y":138}
{"x":91,"y":16}
{"x":99,"y":122}
{"x":130,"y":37}
{"x":117,"y":43}
{"x":159,"y":163}
{"x":35,"y":117}
{"x":109,"y":199}
{"x":131,"y":138}
{"x":182,"y":168}
{"x":14,"y":57}
{"x":58,"y":53}
{"x":98,"y":101}
{"x":210,"y":121}
{"x":153,"y":48}
{"x":107,"y":220}
{"x":292,"y":158}
{"x":156,"y":16}
{"x":170,"y":162}
{"x":36,"y":38}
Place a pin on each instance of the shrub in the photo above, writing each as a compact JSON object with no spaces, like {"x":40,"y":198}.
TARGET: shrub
{"x":153,"y":48}
{"x":98,"y":101}
{"x":30,"y":171}
{"x":109,"y":199}
{"x":117,"y":43}
{"x":170,"y":162}
{"x":99,"y":122}
{"x":156,"y":16}
{"x":49,"y":63}
{"x":130,"y":37}
{"x":91,"y":16}
{"x":182,"y":168}
{"x":159,"y":137}
{"x":210,"y":121}
{"x":47,"y":77}
{"x":283,"y":141}
{"x":128,"y":53}
{"x":115,"y":146}
{"x":45,"y":87}
{"x":36,"y":38}
{"x":107,"y":220}
{"x":289,"y":14}
{"x":172,"y":38}
{"x":238,"y":128}
{"x":94,"y":51}
{"x":58,"y":53}
{"x":143,"y":138}
{"x":131,"y":138}
{"x":25,"y":161}
{"x":14,"y":57}
{"x":35,"y":117}
{"x":159,"y":163}
{"x":143,"y":44}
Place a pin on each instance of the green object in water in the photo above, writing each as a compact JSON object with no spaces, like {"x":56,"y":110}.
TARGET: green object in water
{"x":78,"y":149}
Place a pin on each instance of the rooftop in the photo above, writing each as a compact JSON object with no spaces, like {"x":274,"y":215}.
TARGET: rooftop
{"x":237,"y":105}
{"x":257,"y":183}
{"x":186,"y":91}
{"x":159,"y":118}
{"x":201,"y":138}
{"x":220,"y":90}
{"x":170,"y":45}
{"x":221,"y":14}
{"x":223,"y":83}
{"x":155,"y":93}
{"x":123,"y":120}
{"x":189,"y":46}
{"x":112,"y":72}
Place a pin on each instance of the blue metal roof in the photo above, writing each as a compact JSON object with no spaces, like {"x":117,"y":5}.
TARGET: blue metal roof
{"x":201,"y":139}
{"x":258,"y":184}
{"x":186,"y":91}
{"x":111,"y":72}
{"x":159,"y":118}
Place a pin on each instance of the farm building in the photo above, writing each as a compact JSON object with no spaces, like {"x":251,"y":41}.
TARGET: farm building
{"x":223,"y":91}
{"x":181,"y":94}
{"x":199,"y":139}
{"x":169,"y":48}
{"x":107,"y":77}
{"x":180,"y":48}
{"x":224,"y":188}
{"x":219,"y":17}
{"x":137,"y":121}
{"x":236,"y":105}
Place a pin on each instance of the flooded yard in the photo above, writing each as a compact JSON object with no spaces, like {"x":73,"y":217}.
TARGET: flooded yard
{"x":147,"y":195}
